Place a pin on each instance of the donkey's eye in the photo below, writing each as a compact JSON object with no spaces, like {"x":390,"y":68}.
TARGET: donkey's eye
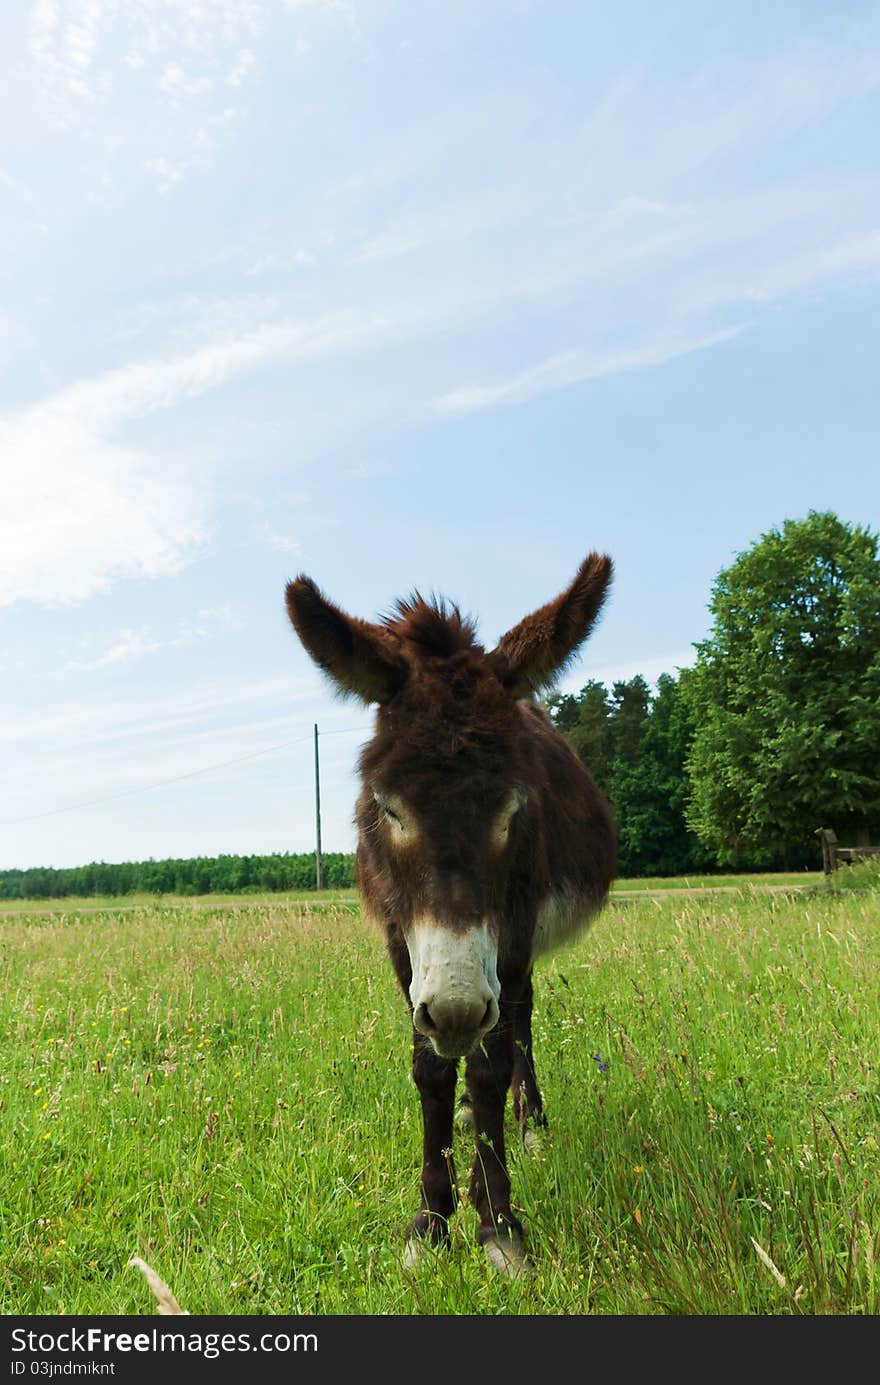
{"x":504,"y":820}
{"x":390,"y":814}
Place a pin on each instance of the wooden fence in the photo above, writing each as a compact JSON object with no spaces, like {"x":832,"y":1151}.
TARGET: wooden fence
{"x":832,"y":854}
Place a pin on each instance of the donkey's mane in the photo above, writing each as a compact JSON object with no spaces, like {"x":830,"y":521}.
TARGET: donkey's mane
{"x":437,"y":629}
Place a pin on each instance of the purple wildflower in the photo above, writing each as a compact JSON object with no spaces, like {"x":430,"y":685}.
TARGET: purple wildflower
{"x":597,"y":1058}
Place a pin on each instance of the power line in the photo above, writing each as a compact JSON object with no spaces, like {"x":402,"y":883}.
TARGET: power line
{"x":177,"y":778}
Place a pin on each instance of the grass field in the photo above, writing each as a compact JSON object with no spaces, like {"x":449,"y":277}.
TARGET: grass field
{"x":642,"y":884}
{"x":226,"y":1092}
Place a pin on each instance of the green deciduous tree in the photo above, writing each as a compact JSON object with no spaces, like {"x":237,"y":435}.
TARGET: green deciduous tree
{"x":785,"y":695}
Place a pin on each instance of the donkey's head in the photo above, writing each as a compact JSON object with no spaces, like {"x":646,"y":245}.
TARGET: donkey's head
{"x":445,"y":805}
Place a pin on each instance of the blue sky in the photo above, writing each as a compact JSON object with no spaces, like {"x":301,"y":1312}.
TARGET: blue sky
{"x":435,"y":296}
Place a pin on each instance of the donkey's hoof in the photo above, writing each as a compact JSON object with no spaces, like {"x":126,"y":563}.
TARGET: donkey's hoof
{"x":416,"y":1251}
{"x":531,"y":1140}
{"x":508,"y":1258}
{"x":464,"y":1114}
{"x":425,"y":1237}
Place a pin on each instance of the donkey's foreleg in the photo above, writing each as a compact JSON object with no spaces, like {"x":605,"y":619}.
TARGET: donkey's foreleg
{"x":489,"y":1073}
{"x":435,"y":1079}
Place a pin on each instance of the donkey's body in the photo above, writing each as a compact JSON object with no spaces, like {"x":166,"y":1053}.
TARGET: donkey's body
{"x":482,"y":842}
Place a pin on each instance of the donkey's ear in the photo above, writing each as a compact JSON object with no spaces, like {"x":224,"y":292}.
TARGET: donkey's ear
{"x":533,"y":652}
{"x":362,"y":659}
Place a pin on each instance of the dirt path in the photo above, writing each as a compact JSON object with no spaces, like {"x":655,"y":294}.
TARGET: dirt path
{"x":708,"y":889}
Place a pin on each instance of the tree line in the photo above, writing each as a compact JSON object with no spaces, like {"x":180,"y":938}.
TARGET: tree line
{"x":733,"y":763}
{"x":194,"y":876}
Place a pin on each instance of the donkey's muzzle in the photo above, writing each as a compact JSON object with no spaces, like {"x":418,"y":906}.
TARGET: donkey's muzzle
{"x":455,"y":1027}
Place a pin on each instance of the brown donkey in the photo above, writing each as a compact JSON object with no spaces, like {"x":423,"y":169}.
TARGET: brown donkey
{"x":482,"y":842}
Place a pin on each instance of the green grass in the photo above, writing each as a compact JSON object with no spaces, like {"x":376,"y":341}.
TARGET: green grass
{"x":226,"y":1092}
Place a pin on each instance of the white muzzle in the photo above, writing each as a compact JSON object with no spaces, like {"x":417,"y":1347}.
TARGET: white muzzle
{"x":455,"y":988}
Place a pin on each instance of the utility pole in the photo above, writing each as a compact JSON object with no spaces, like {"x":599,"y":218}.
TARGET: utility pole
{"x":319,"y":867}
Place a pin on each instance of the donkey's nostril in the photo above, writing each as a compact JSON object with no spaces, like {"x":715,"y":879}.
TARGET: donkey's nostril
{"x":424,"y":1019}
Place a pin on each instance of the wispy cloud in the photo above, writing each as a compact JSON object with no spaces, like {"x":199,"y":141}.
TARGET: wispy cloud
{"x":853,"y":258}
{"x":137,"y":644}
{"x":649,"y":668}
{"x":83,"y":509}
{"x":116,"y":745}
{"x":270,"y":537}
{"x":577,"y":367}
{"x":147,"y":386}
{"x":217,"y":704}
{"x":76,"y":45}
{"x":388,"y":245}
{"x":183,"y":66}
{"x":130,"y":644}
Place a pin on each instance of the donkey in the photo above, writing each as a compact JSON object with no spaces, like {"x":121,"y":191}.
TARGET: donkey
{"x":482,"y":843}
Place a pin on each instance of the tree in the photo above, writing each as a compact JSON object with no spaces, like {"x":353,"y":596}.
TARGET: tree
{"x":629,"y":719}
{"x":585,"y":720}
{"x":785,"y":695}
{"x":635,"y":745}
{"x":650,"y":792}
